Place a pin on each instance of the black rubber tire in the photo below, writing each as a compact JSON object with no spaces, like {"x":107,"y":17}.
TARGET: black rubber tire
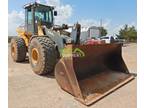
{"x":47,"y":55}
{"x":20,"y":49}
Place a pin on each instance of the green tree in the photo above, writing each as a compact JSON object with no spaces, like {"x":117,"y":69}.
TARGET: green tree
{"x":103,"y":31}
{"x":128,"y":33}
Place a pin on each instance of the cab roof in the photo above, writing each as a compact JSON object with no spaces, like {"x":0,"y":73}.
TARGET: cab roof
{"x":35,"y":4}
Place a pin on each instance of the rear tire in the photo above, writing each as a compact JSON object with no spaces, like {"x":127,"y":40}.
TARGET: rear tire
{"x":42,"y":55}
{"x":18,"y":49}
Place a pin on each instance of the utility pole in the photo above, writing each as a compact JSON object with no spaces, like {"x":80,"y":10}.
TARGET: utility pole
{"x":101,"y":22}
{"x":100,"y":27}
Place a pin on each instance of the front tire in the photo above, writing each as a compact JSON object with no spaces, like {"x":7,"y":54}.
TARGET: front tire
{"x":42,"y":55}
{"x":18,"y":49}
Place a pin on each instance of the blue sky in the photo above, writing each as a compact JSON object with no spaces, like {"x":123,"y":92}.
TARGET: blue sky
{"x":115,"y":12}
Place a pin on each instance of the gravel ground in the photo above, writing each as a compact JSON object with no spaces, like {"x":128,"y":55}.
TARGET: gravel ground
{"x":28,"y":90}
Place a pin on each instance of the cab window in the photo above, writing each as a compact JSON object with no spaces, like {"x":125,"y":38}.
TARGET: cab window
{"x":43,"y":16}
{"x":29,"y":17}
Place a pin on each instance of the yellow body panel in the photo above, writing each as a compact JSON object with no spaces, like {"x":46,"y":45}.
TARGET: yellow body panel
{"x":23,"y":34}
{"x":26,"y":35}
{"x":40,"y":30}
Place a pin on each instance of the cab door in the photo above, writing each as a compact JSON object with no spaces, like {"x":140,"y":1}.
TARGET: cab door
{"x":29,"y":21}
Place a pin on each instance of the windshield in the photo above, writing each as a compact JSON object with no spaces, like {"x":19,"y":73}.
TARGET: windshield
{"x":104,"y":38}
{"x":44,"y":16}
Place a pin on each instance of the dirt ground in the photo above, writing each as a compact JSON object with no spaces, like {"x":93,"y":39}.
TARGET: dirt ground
{"x":28,"y":90}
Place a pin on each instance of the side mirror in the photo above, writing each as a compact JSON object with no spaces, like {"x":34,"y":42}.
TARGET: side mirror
{"x":55,"y":13}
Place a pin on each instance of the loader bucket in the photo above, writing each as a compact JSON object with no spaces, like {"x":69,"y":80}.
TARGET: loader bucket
{"x":90,"y":72}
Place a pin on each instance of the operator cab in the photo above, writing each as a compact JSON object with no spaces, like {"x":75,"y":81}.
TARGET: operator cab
{"x":35,"y":14}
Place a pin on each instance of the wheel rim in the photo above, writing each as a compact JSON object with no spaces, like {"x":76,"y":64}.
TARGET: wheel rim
{"x":35,"y":56}
{"x":13,"y":50}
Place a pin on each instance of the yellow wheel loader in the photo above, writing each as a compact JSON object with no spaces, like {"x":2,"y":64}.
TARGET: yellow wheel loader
{"x":87,"y":71}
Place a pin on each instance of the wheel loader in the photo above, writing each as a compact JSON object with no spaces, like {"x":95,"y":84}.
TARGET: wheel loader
{"x":87,"y":71}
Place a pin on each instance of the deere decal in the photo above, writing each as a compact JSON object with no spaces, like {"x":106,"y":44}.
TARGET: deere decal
{"x":67,"y":52}
{"x":78,"y":53}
